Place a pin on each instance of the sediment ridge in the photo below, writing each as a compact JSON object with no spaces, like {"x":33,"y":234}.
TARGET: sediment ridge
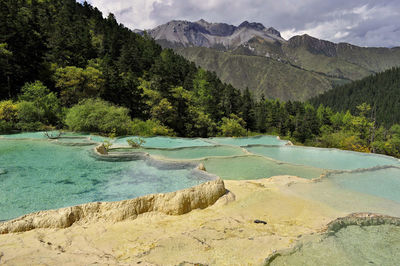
{"x":333,"y":227}
{"x":360,"y":219}
{"x":174,"y":203}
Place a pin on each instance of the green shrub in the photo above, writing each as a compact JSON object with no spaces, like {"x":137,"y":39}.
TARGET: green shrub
{"x":149,"y":128}
{"x":8,"y":116}
{"x":95,"y":115}
{"x":107,"y":145}
{"x":31,"y":126}
{"x":6,"y":127}
{"x":136,"y":142}
{"x":8,"y":111}
{"x":233,"y":127}
{"x":43,"y":103}
{"x":29,"y":112}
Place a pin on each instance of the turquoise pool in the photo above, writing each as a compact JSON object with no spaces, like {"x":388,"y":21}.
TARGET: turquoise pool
{"x":352,"y":245}
{"x":323,"y":158}
{"x":38,"y":175}
{"x":264,"y":140}
{"x":384,"y":183}
{"x":165,"y":142}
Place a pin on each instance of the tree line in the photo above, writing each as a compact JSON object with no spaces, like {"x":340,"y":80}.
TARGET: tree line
{"x":381,"y":91}
{"x":65,"y":66}
{"x":70,"y":51}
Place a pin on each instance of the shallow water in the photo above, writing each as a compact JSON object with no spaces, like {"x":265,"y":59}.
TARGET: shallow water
{"x":256,"y":167}
{"x":39,"y":175}
{"x":191,"y":152}
{"x":66,"y":136}
{"x":384,"y":183}
{"x":324,"y":158}
{"x":353,"y":245}
{"x":165,"y":142}
{"x":263,"y":140}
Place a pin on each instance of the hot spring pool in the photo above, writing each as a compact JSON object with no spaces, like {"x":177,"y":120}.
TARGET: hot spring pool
{"x":353,"y":245}
{"x":333,"y":159}
{"x":37,"y":174}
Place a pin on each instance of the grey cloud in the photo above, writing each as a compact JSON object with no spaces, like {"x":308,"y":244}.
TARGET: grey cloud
{"x":361,"y":22}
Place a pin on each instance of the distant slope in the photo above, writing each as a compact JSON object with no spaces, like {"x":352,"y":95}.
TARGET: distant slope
{"x":343,"y":59}
{"x":381,"y":91}
{"x":327,"y":64}
{"x":265,"y":76}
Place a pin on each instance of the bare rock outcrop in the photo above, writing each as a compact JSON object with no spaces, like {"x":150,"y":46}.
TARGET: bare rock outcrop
{"x":174,"y":203}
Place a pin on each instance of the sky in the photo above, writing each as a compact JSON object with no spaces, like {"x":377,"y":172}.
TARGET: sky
{"x":360,"y":22}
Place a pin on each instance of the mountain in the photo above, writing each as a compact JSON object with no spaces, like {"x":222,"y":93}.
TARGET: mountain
{"x":381,"y":91}
{"x":252,"y":55}
{"x":211,"y":35}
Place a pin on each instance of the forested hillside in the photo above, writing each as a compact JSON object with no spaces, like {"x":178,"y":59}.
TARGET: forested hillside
{"x":381,"y":91}
{"x":64,"y":66}
{"x":251,"y":55}
{"x":264,"y":76}
{"x":67,"y":50}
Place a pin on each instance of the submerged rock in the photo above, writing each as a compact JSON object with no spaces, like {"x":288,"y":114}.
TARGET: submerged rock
{"x":3,"y":171}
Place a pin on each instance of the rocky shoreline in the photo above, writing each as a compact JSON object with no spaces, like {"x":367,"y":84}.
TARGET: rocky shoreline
{"x":174,"y":203}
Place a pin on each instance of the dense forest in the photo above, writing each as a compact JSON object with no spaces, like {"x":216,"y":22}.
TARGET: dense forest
{"x":381,"y":91}
{"x":67,"y":50}
{"x":64,"y":66}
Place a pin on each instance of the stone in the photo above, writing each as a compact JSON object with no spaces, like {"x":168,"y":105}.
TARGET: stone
{"x":201,"y":167}
{"x":101,"y":149}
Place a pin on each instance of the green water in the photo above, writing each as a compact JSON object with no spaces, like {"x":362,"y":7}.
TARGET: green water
{"x":323,"y":158}
{"x":39,"y":175}
{"x":28,"y":135}
{"x":66,"y":136}
{"x":255,"y":167}
{"x":190,"y":153}
{"x":263,"y":140}
{"x":384,"y":183}
{"x":353,"y":245}
{"x":165,"y":142}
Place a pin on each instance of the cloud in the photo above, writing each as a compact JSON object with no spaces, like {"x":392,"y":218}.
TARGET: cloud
{"x":133,"y":14}
{"x":361,"y":22}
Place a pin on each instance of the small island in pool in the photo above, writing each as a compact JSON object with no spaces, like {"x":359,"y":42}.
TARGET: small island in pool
{"x":271,"y":192}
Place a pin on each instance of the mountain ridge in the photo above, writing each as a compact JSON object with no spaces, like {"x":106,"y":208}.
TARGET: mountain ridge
{"x":205,"y":34}
{"x":217,"y":47}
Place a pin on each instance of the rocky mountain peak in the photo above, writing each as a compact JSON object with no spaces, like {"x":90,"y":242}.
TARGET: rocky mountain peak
{"x":217,"y":29}
{"x":177,"y":33}
{"x":252,"y":25}
{"x":273,"y":31}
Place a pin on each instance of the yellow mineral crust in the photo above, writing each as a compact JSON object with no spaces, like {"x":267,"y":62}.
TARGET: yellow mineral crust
{"x":222,"y":234}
